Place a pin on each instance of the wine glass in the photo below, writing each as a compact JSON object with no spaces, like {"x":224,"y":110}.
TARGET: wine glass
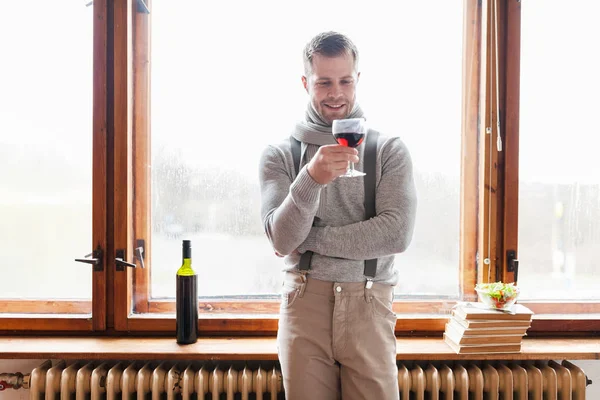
{"x":350,"y":132}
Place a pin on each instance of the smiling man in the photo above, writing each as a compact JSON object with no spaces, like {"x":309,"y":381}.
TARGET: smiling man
{"x":336,"y":324}
{"x":331,"y":83}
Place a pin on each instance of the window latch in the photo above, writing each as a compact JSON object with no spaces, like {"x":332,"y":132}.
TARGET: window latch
{"x":142,"y":7}
{"x":512,"y":264}
{"x":97,"y":259}
{"x":139,"y":252}
{"x":120,"y":262}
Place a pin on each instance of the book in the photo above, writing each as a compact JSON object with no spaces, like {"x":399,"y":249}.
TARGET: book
{"x":474,"y":328}
{"x":496,"y":323}
{"x":458,"y":338}
{"x":476,"y":311}
{"x":482,"y":349}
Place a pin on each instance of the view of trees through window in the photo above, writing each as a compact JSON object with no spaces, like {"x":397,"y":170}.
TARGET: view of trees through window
{"x":559,"y":188}
{"x":222,"y":91}
{"x":219,"y":96}
{"x":45,"y":149}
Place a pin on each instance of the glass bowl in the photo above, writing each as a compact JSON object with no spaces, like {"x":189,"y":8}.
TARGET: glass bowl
{"x":497,"y":296}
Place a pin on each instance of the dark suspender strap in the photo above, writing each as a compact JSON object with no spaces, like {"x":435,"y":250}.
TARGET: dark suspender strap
{"x":369,"y":165}
{"x":306,"y":257}
{"x":296,"y":149}
{"x":305,"y":260}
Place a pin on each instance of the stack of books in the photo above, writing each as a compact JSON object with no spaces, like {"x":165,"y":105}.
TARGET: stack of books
{"x":474,"y":329}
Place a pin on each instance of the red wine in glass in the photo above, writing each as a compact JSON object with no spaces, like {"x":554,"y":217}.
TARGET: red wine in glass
{"x":349,"y":132}
{"x":349,"y":139}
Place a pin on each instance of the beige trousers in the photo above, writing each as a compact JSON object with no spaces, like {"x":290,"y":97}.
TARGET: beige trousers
{"x":336,"y":340}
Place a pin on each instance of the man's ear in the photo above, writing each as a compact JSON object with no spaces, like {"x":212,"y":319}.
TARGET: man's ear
{"x":305,"y":83}
{"x":357,"y":77}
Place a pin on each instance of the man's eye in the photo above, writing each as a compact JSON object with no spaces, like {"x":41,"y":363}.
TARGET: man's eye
{"x":322,"y":83}
{"x":346,"y":82}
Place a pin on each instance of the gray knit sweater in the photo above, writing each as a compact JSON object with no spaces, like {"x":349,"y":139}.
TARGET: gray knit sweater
{"x":340,"y":238}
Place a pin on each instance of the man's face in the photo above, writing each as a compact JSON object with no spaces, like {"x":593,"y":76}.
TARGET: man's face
{"x":332,"y":86}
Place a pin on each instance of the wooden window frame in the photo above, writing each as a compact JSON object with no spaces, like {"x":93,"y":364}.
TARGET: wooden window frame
{"x":86,"y":315}
{"x":247,"y":317}
{"x":488,"y":209}
{"x":121,"y":192}
{"x":501,"y":186}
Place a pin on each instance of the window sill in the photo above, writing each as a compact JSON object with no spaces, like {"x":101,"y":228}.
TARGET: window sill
{"x":130,"y":348}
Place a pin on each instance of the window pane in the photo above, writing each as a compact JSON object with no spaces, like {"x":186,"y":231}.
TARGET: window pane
{"x":45,"y":149}
{"x":225,"y":84}
{"x":559,"y":189}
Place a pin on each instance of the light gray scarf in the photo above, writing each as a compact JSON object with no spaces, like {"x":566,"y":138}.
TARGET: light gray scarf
{"x":314,"y":130}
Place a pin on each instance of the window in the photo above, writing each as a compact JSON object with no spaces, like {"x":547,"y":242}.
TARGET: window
{"x":128,"y":141}
{"x":549,"y":202}
{"x":47,"y":153}
{"x":215,"y":104}
{"x":559,"y":183}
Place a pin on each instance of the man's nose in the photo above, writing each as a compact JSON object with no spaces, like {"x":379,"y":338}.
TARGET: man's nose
{"x":335,"y":91}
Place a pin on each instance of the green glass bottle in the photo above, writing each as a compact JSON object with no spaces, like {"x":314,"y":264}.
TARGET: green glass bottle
{"x":187,"y":299}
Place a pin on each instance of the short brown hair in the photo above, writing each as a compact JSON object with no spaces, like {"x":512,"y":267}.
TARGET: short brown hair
{"x":328,"y":44}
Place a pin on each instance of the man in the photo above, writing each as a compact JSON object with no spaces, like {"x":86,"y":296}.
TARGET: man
{"x":336,"y":328}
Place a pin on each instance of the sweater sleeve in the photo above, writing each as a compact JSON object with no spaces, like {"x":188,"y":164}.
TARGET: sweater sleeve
{"x":391,"y":230}
{"x":287,"y":208}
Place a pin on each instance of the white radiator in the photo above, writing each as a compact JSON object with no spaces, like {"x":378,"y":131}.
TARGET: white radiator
{"x":489,"y":380}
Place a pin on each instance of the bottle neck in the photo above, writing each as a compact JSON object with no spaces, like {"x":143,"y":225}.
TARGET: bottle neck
{"x":186,"y":265}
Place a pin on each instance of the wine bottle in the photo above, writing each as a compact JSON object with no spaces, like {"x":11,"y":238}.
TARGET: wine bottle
{"x":187,"y":299}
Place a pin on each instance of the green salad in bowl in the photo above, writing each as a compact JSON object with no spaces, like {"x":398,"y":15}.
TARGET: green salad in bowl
{"x":497,"y":295}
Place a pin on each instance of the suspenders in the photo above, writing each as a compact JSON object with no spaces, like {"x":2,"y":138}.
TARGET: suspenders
{"x":370,"y":155}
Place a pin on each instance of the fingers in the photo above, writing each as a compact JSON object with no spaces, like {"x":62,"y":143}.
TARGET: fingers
{"x":339,"y":165}
{"x":344,"y":159}
{"x":339,"y":172}
{"x":330,"y":162}
{"x":335,"y":153}
{"x":336,"y":148}
{"x":335,"y":169}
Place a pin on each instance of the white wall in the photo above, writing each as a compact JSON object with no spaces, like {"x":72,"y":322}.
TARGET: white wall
{"x":12,"y":366}
{"x":591,"y":368}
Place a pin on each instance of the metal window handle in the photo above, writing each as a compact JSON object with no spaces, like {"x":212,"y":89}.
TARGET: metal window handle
{"x":139,"y":252}
{"x":120,"y":262}
{"x":96,"y":259}
{"x":86,"y":260}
